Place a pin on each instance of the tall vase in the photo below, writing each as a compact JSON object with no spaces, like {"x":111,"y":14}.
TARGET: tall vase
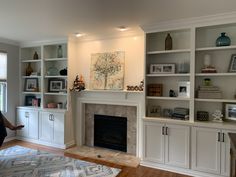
{"x":223,"y":40}
{"x":168,"y":42}
{"x":59,"y":52}
{"x":28,"y":70}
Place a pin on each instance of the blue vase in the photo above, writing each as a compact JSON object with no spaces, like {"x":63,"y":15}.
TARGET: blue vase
{"x":223,"y":40}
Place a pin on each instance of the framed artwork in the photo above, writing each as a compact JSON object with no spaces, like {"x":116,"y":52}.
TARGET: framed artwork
{"x":29,"y":100}
{"x":230,"y":111}
{"x":31,"y":84}
{"x":107,"y":71}
{"x":162,"y":68}
{"x":232,"y":66}
{"x":184,"y":89}
{"x":56,"y":85}
{"x":154,"y":111}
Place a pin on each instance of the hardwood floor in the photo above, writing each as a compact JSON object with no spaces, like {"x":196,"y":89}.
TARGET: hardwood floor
{"x":140,"y":171}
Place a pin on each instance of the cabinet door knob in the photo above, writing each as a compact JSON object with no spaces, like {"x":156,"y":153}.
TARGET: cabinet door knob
{"x":223,"y":136}
{"x":218,"y":136}
{"x":166,"y":130}
{"x":52,"y":117}
{"x":163,"y":130}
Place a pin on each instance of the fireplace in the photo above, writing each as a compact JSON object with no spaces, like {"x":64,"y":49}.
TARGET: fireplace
{"x":110,"y":132}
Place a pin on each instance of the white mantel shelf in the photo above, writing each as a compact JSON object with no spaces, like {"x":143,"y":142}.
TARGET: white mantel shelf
{"x":112,"y":91}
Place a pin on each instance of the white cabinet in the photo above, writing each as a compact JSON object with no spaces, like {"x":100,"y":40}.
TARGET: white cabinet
{"x":154,"y":142}
{"x":51,"y":127}
{"x":28,"y":118}
{"x":166,"y":144}
{"x":211,"y":150}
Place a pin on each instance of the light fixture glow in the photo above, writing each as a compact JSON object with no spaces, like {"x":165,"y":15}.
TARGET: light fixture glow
{"x":122,"y":28}
{"x":78,"y":34}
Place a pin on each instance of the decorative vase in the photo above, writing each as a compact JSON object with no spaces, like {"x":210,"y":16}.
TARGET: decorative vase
{"x":36,"y":56}
{"x":59,"y":52}
{"x":28,"y":70}
{"x":223,"y":40}
{"x":63,"y":72}
{"x":168,"y":42}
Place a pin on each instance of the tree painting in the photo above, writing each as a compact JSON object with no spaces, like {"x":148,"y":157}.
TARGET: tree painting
{"x":107,"y":70}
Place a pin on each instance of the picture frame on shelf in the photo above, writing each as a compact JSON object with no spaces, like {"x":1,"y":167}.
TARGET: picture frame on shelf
{"x":162,"y":68}
{"x":232,"y":65}
{"x":31,"y":84}
{"x":230,"y":111}
{"x":154,"y":111}
{"x":56,"y":85}
{"x":29,"y":100}
{"x":184,"y":89}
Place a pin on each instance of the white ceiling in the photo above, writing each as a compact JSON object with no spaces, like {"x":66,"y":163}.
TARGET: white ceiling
{"x":38,"y":20}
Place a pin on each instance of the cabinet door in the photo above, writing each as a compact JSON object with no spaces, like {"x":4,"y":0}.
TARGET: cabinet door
{"x":177,"y":145}
{"x":45,"y":127}
{"x":225,"y":152}
{"x":22,"y":119}
{"x":206,"y":149}
{"x":33,"y":124}
{"x":153,"y":142}
{"x":58,"y":128}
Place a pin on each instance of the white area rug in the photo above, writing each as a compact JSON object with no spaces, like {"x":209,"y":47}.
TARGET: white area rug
{"x":19,"y":161}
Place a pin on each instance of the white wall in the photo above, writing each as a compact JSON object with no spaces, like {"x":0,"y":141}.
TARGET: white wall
{"x":134,"y":57}
{"x":12,"y":82}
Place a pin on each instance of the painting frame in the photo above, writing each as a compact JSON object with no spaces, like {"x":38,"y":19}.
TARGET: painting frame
{"x":56,"y":85}
{"x":29,"y":100}
{"x":107,"y":71}
{"x":232,"y":65}
{"x":230,"y":111}
{"x":184,"y":89}
{"x":31,"y":85}
{"x":162,"y":68}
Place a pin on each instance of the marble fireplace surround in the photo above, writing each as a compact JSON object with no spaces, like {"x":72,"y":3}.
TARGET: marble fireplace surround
{"x":113,"y":104}
{"x":111,"y":110}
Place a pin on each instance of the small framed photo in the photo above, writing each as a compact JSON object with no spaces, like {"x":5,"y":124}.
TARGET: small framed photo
{"x":184,"y":89}
{"x":162,"y":68}
{"x":232,"y":66}
{"x":56,"y":85}
{"x":31,"y":84}
{"x":230,"y":111}
{"x":29,"y":100}
{"x":154,"y":111}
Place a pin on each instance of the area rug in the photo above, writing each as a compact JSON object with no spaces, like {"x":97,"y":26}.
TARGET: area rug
{"x":19,"y":161}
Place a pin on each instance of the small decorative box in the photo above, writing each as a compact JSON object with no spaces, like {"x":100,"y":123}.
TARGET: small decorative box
{"x":202,"y":116}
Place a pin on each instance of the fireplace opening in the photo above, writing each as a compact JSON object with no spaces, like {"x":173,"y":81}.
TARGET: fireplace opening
{"x":110,"y":132}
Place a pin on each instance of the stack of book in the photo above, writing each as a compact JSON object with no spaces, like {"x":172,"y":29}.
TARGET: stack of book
{"x":209,"y":92}
{"x":181,"y":113}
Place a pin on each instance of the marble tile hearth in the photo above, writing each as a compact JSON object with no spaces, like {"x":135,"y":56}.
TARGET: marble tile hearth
{"x":107,"y":155}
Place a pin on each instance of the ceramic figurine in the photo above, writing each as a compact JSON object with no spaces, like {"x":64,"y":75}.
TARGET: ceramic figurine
{"x":217,"y":116}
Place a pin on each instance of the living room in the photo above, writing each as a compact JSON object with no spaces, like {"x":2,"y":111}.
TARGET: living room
{"x":120,"y":88}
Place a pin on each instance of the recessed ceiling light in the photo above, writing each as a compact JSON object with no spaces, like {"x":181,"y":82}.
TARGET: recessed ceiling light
{"x":122,"y":28}
{"x":78,"y":34}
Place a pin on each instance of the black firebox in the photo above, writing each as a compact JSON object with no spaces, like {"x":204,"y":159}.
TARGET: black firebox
{"x":110,"y":132}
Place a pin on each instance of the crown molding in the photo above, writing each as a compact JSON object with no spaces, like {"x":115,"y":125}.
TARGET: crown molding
{"x":43,"y":42}
{"x":217,"y":19}
{"x":9,"y":41}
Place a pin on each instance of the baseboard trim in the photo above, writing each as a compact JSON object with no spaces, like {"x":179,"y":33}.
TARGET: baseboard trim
{"x":60,"y":146}
{"x":177,"y":170}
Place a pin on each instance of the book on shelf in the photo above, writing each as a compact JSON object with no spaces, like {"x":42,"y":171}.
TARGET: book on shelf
{"x":208,"y":88}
